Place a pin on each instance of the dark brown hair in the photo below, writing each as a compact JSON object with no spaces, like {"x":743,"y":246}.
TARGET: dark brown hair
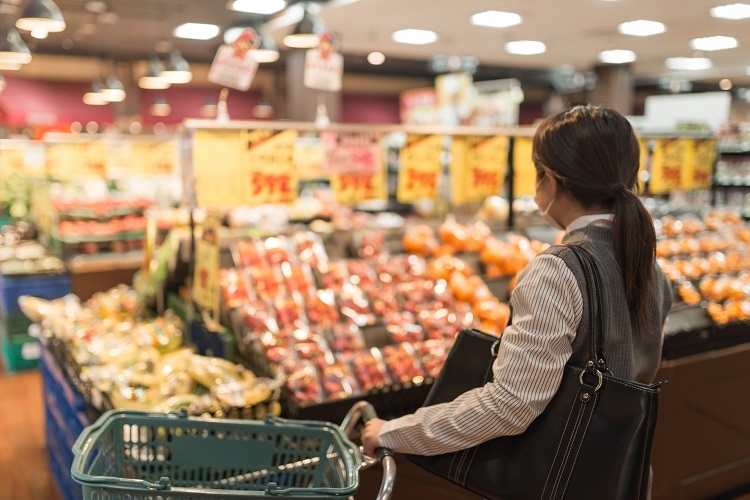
{"x":594,"y":155}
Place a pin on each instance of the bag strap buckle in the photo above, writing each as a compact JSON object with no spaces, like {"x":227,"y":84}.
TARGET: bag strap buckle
{"x":495,"y":346}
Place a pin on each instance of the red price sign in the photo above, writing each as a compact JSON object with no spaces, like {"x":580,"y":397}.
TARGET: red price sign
{"x":272,"y":185}
{"x":668,"y":164}
{"x":352,"y":187}
{"x":271,"y":171}
{"x":420,"y":168}
{"x":421,"y":181}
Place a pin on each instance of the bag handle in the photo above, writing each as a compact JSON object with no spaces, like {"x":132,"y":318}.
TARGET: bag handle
{"x":597,"y":363}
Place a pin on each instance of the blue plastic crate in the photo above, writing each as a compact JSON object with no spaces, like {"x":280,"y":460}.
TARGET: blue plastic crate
{"x":60,"y":460}
{"x":44,"y":286}
{"x":56,"y":381}
{"x":220,"y":344}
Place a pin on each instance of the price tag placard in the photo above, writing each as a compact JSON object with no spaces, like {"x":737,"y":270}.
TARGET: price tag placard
{"x":351,"y":152}
{"x":350,"y":188}
{"x":206,"y":272}
{"x":701,"y":156}
{"x":668,"y":164}
{"x":13,"y":161}
{"x":419,"y":170}
{"x":270,"y":174}
{"x":524,"y":172}
{"x":478,"y":167}
{"x":217,"y":167}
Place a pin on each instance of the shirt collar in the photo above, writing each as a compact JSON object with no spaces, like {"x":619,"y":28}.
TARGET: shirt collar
{"x":585,"y":220}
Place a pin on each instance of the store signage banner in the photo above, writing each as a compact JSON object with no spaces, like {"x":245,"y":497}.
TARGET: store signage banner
{"x":217,"y":168}
{"x":524,"y":173}
{"x":324,"y":65}
{"x":419,"y":107}
{"x":419,"y":169}
{"x":12,"y":161}
{"x":233,"y":65}
{"x":269,"y":171}
{"x":701,"y":155}
{"x":66,"y":161}
{"x":667,"y":165}
{"x":308,"y":157}
{"x":478,"y":167}
{"x":357,"y":152}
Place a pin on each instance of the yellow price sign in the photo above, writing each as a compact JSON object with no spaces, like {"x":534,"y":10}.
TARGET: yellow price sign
{"x":217,"y":167}
{"x":524,"y":172}
{"x":667,"y":165}
{"x":349,"y":188}
{"x":419,"y":169}
{"x":207,"y":261}
{"x":643,"y":159}
{"x":270,"y":172}
{"x":95,"y":159}
{"x":13,"y":161}
{"x":478,"y":167}
{"x":700,"y":164}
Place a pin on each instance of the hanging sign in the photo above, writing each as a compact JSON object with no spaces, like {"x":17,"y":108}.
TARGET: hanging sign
{"x":419,"y":169}
{"x":270,"y":174}
{"x":308,"y":157}
{"x":324,"y":65}
{"x":217,"y":167}
{"x":206,"y":272}
{"x":351,"y":152}
{"x":478,"y":167}
{"x":233,"y":65}
{"x":701,"y":155}
{"x":524,"y":172}
{"x":668,"y":164}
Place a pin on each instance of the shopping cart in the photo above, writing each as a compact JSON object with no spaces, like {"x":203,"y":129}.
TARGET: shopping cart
{"x":129,"y":455}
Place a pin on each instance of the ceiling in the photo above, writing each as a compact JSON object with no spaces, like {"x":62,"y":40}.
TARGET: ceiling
{"x":574,"y":31}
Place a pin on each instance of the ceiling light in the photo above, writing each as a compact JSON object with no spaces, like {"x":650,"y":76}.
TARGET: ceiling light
{"x":617,"y":56}
{"x":13,"y":49}
{"x":262,"y":109}
{"x":376,"y":58}
{"x":306,"y":33}
{"x":113,"y":90}
{"x":152,"y":79}
{"x":725,"y":84}
{"x":39,"y":33}
{"x":160,"y":107}
{"x":196,"y":31}
{"x":714,"y":43}
{"x":41,"y":14}
{"x":208,"y":109}
{"x":689,"y":63}
{"x":525,"y":47}
{"x":733,"y":11}
{"x":265,"y":7}
{"x":95,"y":97}
{"x":177,"y":70}
{"x":414,"y":36}
{"x":495,"y":19}
{"x":96,"y":6}
{"x":641,"y":27}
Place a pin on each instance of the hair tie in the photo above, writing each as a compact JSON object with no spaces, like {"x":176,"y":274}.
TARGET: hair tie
{"x":621,"y":189}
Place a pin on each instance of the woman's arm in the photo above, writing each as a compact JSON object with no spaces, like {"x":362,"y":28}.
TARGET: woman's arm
{"x":547,"y":308}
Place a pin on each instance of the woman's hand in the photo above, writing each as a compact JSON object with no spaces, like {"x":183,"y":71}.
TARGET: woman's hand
{"x":370,"y":436}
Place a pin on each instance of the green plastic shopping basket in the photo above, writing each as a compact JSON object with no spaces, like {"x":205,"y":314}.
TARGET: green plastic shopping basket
{"x":130,"y":455}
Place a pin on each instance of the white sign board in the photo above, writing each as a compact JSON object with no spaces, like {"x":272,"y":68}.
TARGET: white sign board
{"x":665,"y":112}
{"x":323,"y":72}
{"x":233,"y":68}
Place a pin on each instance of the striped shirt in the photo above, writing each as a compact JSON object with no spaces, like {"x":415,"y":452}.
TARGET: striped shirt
{"x":547,"y":308}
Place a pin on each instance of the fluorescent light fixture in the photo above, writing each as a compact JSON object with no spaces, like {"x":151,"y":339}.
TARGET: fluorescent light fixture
{"x":177,"y":70}
{"x":375,"y":58}
{"x":414,"y":36}
{"x":41,"y":14}
{"x":617,"y":56}
{"x":113,"y":90}
{"x":495,"y":19}
{"x":39,"y":33}
{"x":10,"y":66}
{"x":306,"y":33}
{"x":710,"y":43}
{"x":196,"y":31}
{"x":13,"y":49}
{"x":160,"y":107}
{"x":95,"y":97}
{"x":641,"y":27}
{"x":689,"y":63}
{"x":733,"y":11}
{"x":264,"y":7}
{"x":525,"y":47}
{"x":153,"y":80}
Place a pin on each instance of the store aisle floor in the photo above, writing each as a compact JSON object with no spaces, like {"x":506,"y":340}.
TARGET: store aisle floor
{"x":24,"y":467}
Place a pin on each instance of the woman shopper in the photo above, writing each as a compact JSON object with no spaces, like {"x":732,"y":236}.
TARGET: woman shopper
{"x":587,"y":161}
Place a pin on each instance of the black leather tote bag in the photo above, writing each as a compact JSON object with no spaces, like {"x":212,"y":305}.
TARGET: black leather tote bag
{"x":593,"y":440}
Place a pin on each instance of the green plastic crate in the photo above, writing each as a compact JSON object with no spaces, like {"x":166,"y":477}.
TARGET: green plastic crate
{"x":190,"y":458}
{"x":21,"y":352}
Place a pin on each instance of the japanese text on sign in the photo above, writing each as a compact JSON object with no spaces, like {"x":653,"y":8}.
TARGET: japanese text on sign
{"x":478,"y":168}
{"x":419,"y":169}
{"x":271,"y":171}
{"x":350,"y":152}
{"x":667,"y":166}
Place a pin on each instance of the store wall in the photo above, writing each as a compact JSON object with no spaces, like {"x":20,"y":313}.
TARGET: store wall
{"x":370,"y":109}
{"x":186,"y":102}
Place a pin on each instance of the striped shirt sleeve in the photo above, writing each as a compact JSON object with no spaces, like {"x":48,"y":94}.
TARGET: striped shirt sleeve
{"x":547,"y":308}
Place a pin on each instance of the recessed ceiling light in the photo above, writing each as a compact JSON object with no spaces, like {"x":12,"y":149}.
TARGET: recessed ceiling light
{"x":725,"y":84}
{"x":525,"y":47}
{"x":747,"y":70}
{"x":495,"y":19}
{"x":265,"y":7}
{"x":414,"y":36}
{"x":714,"y":43}
{"x":375,"y":58}
{"x":617,"y":56}
{"x":641,"y":27}
{"x":196,"y":31}
{"x":732,"y":11}
{"x":689,"y":63}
